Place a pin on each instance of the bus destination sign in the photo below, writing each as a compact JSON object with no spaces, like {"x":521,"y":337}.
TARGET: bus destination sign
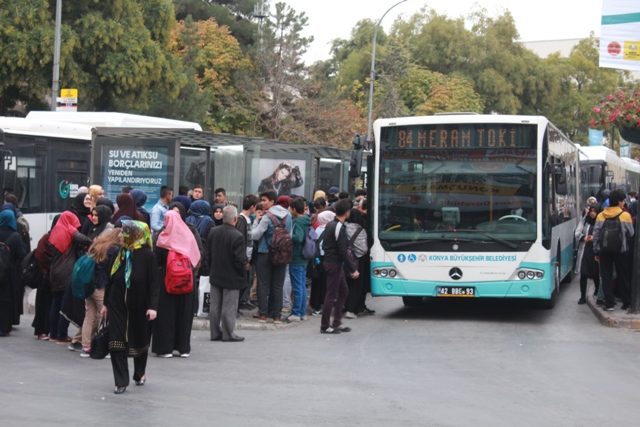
{"x":458,"y":136}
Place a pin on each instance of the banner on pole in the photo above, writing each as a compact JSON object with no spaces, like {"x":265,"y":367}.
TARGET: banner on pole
{"x":620,"y":35}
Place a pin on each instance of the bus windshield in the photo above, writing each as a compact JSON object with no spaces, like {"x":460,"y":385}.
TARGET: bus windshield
{"x":476,"y":194}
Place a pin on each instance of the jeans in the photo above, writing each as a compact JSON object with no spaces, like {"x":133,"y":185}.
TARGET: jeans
{"x":337,"y":292}
{"x":270,"y":282}
{"x":58,"y":323}
{"x":298,"y":274}
{"x":286,"y":289}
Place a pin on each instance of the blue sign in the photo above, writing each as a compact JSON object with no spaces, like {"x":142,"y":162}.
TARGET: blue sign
{"x":595,"y":137}
{"x":412,"y":258}
{"x":402,"y":258}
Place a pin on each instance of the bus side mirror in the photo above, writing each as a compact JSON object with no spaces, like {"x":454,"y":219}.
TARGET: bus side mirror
{"x":560,"y":174}
{"x":356,"y":156}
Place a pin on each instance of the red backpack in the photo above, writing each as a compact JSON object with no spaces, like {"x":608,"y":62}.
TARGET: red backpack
{"x":179,"y":277}
{"x":281,"y":249}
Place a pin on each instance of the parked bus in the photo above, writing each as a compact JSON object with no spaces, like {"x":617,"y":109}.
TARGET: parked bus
{"x":475,"y":206}
{"x":601,"y":169}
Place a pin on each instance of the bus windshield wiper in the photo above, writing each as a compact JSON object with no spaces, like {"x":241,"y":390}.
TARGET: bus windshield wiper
{"x":417,"y":242}
{"x":488,"y":236}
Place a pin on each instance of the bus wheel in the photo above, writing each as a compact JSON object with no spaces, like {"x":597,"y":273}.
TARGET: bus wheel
{"x":412,"y":301}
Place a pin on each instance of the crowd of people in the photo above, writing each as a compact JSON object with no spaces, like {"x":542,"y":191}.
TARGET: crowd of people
{"x":139,"y":256}
{"x":606,"y":247}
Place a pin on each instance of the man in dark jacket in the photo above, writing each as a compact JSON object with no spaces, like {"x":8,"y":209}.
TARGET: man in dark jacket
{"x":228,"y":275}
{"x":335,"y":255}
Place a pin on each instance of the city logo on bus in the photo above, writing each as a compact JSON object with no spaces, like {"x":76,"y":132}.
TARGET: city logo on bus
{"x":64,"y":188}
{"x":455,"y":273}
{"x":422,"y":258}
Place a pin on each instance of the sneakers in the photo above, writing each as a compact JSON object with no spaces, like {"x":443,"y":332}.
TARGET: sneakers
{"x":582,"y":301}
{"x":367,"y":311}
{"x":329,"y":330}
{"x":165,"y":356}
{"x":184,"y":355}
{"x":316,"y":313}
{"x":608,"y":308}
{"x":262,"y":319}
{"x":303,"y":318}
{"x":600,"y":301}
{"x":75,"y":346}
{"x":293,"y":318}
{"x":64,"y":340}
{"x":350,"y":315}
{"x":286,"y":309}
{"x":343,"y":328}
{"x":626,"y":306}
{"x":43,"y":337}
{"x":85,"y":352}
{"x":256,"y":315}
{"x":277,"y":321}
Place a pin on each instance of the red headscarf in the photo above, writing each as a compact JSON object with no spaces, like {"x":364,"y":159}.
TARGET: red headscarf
{"x":177,"y":237}
{"x":284,"y":201}
{"x":62,"y":234}
{"x":126,"y":207}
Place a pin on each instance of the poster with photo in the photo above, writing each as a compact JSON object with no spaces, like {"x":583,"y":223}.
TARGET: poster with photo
{"x":285,"y":176}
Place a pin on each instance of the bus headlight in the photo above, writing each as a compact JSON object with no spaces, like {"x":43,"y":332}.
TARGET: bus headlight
{"x":530,"y":275}
{"x":527,"y":274}
{"x":392,"y":273}
{"x":522,"y":275}
{"x":384,"y":273}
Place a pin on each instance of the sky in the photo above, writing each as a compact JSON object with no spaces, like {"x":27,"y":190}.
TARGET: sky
{"x":535,"y":20}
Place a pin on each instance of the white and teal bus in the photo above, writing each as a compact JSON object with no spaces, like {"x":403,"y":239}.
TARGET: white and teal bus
{"x":475,"y":206}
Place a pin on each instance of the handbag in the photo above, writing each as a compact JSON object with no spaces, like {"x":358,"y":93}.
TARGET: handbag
{"x":204,"y":300}
{"x":62,"y":269}
{"x":100,"y":342}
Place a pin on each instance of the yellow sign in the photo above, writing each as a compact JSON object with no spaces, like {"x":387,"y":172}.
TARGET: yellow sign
{"x":69,"y":93}
{"x":632,"y":50}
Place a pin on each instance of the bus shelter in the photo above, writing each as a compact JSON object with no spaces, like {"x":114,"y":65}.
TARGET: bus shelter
{"x":147,"y":158}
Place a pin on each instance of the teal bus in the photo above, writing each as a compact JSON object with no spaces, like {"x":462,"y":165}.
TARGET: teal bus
{"x":472,"y":206}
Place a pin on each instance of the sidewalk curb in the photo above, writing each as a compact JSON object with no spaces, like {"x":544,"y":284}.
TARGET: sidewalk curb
{"x":202,"y":324}
{"x":607,"y":318}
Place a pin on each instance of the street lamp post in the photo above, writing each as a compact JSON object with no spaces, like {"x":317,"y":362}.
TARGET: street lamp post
{"x":55,"y":87}
{"x":373,"y":72}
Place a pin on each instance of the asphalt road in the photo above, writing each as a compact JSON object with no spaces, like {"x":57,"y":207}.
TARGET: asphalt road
{"x":447,"y":363}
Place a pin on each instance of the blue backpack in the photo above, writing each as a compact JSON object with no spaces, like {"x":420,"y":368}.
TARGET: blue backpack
{"x":82,"y":283}
{"x":309,"y":245}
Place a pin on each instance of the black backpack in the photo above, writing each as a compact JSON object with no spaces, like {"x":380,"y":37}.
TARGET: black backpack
{"x":31,"y":274}
{"x":5,"y":254}
{"x":611,"y":236}
{"x":315,"y":268}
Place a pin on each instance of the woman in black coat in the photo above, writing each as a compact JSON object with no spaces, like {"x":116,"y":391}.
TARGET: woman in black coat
{"x":9,"y":283}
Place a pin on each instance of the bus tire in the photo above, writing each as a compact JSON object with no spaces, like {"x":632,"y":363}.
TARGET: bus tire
{"x":412,"y":301}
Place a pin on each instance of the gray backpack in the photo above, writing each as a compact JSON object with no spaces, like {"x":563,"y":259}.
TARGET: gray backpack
{"x":359,"y":236}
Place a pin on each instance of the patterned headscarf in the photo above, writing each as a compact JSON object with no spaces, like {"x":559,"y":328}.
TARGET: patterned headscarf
{"x":135,"y":235}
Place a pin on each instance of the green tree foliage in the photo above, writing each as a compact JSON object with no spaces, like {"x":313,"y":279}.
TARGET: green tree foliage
{"x":235,"y":14}
{"x":26,"y":43}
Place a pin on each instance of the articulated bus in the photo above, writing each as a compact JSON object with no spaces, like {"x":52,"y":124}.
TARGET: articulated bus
{"x":475,"y":206}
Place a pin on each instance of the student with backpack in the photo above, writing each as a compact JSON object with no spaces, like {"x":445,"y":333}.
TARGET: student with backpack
{"x":12,"y":251}
{"x":612,"y":229}
{"x":274,"y":253}
{"x":298,"y":265}
{"x":335,"y":257}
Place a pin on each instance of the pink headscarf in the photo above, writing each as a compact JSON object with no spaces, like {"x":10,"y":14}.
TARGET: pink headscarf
{"x":61,"y":235}
{"x":325,"y":217}
{"x":177,"y":237}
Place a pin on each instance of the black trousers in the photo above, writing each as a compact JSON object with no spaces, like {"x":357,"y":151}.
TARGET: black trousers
{"x":607,"y":262}
{"x":121,"y":367}
{"x":583,"y":284}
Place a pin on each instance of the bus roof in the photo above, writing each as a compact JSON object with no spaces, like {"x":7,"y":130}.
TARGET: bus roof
{"x":109,"y":119}
{"x":461,"y":118}
{"x":45,"y":128}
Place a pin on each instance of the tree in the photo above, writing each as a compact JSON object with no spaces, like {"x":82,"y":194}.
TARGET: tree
{"x":115,"y":53}
{"x":281,"y":66}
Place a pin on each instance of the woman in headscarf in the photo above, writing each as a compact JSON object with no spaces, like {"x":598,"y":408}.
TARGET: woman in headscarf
{"x":103,"y":251}
{"x":81,"y":208}
{"x":103,"y":201}
{"x":61,"y":242}
{"x":217,"y":214}
{"x":130,"y":303}
{"x":587,"y":264}
{"x":185,"y":200}
{"x":101,"y":222}
{"x":140,"y":198}
{"x":9,"y":283}
{"x":41,"y":321}
{"x":172,"y":330}
{"x":319,"y":284}
{"x":126,"y":207}
{"x":96,"y":192}
{"x":23,"y":225}
{"x":199,"y":216}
